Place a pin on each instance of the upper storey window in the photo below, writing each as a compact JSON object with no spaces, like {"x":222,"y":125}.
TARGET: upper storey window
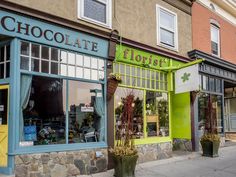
{"x":215,"y":40}
{"x":95,"y":11}
{"x":166,"y":28}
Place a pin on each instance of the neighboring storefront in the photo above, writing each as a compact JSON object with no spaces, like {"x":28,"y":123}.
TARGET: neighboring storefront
{"x":52,"y":104}
{"x":159,"y":115}
{"x":218,"y":80}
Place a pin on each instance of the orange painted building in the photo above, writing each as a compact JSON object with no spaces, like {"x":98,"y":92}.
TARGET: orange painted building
{"x":201,"y":23}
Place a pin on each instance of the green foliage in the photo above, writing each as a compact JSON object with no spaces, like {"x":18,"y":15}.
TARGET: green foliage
{"x":163,"y":113}
{"x":115,"y":76}
{"x":210,"y":137}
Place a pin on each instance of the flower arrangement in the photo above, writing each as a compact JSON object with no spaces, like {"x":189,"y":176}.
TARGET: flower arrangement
{"x":115,"y":76}
{"x":124,"y":153}
{"x":112,"y":83}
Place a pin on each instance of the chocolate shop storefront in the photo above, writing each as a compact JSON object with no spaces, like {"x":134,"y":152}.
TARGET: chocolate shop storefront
{"x":159,"y":115}
{"x":52,"y":106}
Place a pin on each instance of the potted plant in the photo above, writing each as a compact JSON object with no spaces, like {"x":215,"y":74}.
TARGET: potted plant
{"x":112,"y":83}
{"x":124,"y":153}
{"x":210,"y":140}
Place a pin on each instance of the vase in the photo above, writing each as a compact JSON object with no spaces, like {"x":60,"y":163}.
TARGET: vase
{"x":124,"y":165}
{"x":210,"y":148}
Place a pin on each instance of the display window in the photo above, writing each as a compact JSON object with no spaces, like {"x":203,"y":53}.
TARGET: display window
{"x":150,"y":113}
{"x":61,"y":96}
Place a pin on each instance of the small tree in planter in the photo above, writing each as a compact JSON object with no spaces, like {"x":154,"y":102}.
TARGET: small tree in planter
{"x":124,"y":153}
{"x":112,"y":83}
{"x":210,"y":140}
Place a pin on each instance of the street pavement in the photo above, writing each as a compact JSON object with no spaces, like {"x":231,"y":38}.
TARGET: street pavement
{"x":185,"y":164}
{"x":188,"y":165}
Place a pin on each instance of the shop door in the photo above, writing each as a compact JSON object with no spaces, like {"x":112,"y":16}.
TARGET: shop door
{"x":3,"y":124}
{"x":230,"y":115}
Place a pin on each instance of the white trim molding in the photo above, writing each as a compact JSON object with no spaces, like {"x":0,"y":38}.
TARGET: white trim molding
{"x":159,"y":26}
{"x":107,"y":3}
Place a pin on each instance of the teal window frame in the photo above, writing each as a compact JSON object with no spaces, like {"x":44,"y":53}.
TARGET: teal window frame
{"x":15,"y":108}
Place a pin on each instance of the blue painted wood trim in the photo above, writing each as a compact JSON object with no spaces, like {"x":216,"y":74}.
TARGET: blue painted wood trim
{"x":59,"y":148}
{"x":62,"y":77}
{"x":67,"y":111}
{"x":5,"y":81}
{"x":105,"y":102}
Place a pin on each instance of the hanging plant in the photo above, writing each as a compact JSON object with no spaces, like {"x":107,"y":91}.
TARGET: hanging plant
{"x":112,"y":83}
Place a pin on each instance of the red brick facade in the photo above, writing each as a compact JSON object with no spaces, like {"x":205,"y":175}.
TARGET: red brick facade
{"x":201,"y":17}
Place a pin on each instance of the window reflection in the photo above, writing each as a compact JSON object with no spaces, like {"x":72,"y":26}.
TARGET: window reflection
{"x":137,"y":118}
{"x":86,"y":112}
{"x":44,"y":113}
{"x":157,"y":114}
{"x":210,"y":107}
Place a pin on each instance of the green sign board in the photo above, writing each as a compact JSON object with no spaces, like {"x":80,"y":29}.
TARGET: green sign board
{"x":138,"y":57}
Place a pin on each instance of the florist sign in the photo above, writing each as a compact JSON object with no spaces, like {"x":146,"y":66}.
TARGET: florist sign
{"x":141,"y":58}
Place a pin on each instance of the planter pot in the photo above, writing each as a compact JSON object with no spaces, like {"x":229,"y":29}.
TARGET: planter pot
{"x":124,"y":166}
{"x":112,"y":85}
{"x":209,"y":148}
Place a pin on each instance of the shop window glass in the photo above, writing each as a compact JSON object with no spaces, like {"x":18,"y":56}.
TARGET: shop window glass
{"x":54,"y":54}
{"x":2,"y":54}
{"x":157,"y":114}
{"x":54,"y":68}
{"x":1,"y":71}
{"x":24,"y":64}
{"x":71,"y":71}
{"x":43,"y":112}
{"x":45,"y":66}
{"x":94,"y":63}
{"x":211,"y":84}
{"x":8,"y":52}
{"x":35,"y":65}
{"x":5,"y":61}
{"x":86,"y":73}
{"x":209,"y":107}
{"x":87,"y":61}
{"x":45,"y":52}
{"x":137,"y":111}
{"x":79,"y":60}
{"x":71,"y":58}
{"x":86,"y":112}
{"x":79,"y":72}
{"x":68,"y":62}
{"x":218,"y":85}
{"x":25,"y":48}
{"x":35,"y":50}
{"x":63,"y":57}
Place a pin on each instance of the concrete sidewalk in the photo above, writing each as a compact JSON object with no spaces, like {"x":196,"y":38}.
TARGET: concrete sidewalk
{"x":190,"y":165}
{"x":185,"y":164}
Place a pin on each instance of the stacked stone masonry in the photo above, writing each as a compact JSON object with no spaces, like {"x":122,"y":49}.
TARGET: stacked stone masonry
{"x":61,"y":164}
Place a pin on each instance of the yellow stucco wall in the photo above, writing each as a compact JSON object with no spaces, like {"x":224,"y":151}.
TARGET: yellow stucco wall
{"x":136,"y":20}
{"x":62,"y":8}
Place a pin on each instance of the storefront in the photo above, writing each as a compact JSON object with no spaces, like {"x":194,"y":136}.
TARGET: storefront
{"x":159,"y":115}
{"x":52,"y":98}
{"x":218,"y":78}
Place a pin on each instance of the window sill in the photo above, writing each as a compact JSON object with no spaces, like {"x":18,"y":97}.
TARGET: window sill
{"x":175,"y":49}
{"x":94,"y":22}
{"x":58,"y":148}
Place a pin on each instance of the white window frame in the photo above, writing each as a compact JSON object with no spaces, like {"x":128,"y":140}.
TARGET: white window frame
{"x":175,"y":31}
{"x":218,"y":36}
{"x":108,"y":3}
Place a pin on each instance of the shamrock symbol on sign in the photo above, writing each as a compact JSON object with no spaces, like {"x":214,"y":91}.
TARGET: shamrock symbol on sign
{"x":185,"y":77}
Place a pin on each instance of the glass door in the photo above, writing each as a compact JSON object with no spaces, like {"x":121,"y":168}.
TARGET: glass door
{"x":4,"y":90}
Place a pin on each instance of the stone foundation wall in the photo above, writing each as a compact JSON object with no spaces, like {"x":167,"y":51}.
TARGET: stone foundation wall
{"x":182,"y":144}
{"x":150,"y":152}
{"x":61,"y":164}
